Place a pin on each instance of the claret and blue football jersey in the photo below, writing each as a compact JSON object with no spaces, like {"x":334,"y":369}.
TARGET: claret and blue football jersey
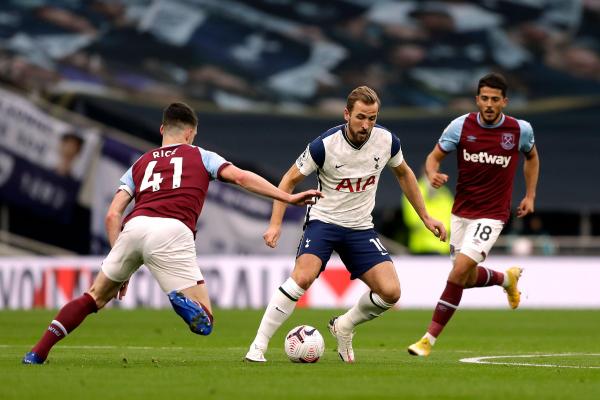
{"x":488,"y":156}
{"x":172,"y":182}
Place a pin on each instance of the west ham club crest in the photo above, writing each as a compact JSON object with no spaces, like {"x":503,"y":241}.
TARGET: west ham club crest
{"x":507,"y":141}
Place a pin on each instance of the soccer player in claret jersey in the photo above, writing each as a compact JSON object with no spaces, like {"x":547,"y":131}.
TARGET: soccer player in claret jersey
{"x":348,"y":160}
{"x":487,"y":144}
{"x":169,"y":185}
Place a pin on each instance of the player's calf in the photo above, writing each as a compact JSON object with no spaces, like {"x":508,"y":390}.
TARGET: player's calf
{"x":195,"y":315}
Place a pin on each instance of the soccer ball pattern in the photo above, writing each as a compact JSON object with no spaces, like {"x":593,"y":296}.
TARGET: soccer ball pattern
{"x":304,"y":344}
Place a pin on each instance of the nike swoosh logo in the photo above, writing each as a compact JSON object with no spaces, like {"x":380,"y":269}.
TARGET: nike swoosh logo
{"x":309,"y":333}
{"x":280,"y":310}
{"x":338,"y":166}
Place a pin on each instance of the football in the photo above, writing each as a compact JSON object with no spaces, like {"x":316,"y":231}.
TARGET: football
{"x":304,"y":344}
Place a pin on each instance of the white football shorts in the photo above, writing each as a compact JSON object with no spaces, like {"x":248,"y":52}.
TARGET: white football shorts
{"x":473,"y":237}
{"x":165,"y":245}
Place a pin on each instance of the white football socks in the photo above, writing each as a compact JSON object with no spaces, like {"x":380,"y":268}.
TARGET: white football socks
{"x":369,"y":306}
{"x":278,"y":310}
{"x":506,"y":281}
{"x":431,"y":338}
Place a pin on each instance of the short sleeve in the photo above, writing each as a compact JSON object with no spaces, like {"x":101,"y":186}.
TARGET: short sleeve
{"x":212,"y":162}
{"x":305,"y":163}
{"x":526,"y":140}
{"x":396,"y":153}
{"x":127,"y":183}
{"x":451,"y":136}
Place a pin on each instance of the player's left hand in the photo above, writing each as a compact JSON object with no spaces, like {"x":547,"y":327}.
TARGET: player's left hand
{"x":437,"y":227}
{"x":305,"y":198}
{"x":525,"y":207}
{"x":123,"y":290}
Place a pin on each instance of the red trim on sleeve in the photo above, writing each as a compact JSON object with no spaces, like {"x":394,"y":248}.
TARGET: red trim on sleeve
{"x":226,"y":164}
{"x":440,"y":147}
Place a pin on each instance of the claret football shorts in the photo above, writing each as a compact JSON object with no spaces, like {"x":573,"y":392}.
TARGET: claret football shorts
{"x":473,"y":237}
{"x":165,"y":245}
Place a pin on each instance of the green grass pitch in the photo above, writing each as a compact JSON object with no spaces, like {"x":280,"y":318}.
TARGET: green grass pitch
{"x":148,"y":354}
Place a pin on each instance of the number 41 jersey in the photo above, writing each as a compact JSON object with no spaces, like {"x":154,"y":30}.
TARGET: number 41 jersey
{"x":172,"y":182}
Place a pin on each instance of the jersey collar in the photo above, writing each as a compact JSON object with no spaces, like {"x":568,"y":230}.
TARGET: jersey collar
{"x":484,"y":125}
{"x":348,"y":139}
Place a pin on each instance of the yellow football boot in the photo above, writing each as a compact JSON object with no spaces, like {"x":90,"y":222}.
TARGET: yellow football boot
{"x":512,"y":291}
{"x":421,"y":348}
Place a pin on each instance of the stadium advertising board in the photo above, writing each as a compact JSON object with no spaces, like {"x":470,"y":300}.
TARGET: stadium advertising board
{"x":248,"y":282}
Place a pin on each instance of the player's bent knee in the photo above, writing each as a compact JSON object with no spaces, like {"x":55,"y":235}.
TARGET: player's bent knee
{"x":390,"y":295}
{"x":304,"y":280}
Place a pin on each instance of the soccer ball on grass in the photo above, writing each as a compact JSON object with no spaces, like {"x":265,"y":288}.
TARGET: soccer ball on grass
{"x":304,"y":344}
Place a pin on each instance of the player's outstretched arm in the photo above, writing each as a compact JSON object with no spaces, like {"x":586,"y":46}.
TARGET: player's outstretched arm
{"x":410,"y":187}
{"x":259,"y":185}
{"x":282,"y":194}
{"x":114,"y":215}
{"x":432,"y":167}
{"x":531,"y":169}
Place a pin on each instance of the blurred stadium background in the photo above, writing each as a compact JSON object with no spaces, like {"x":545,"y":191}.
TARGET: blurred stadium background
{"x":83,"y":84}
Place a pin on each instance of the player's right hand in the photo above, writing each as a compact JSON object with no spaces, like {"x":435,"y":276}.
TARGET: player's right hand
{"x":437,"y":228}
{"x":271,"y":236}
{"x":122,"y":290}
{"x":437,"y":180}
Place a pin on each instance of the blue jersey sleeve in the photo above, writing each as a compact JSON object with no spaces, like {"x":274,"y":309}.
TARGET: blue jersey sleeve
{"x":212,"y":162}
{"x":395,"y":145}
{"x":451,"y":135}
{"x":317,"y":151}
{"x":127,"y":182}
{"x":527,"y":140}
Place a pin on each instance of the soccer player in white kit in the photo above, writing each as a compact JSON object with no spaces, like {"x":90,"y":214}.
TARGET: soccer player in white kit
{"x":348,"y":160}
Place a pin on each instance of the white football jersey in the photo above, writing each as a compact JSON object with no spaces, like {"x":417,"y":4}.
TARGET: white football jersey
{"x":348,"y":175}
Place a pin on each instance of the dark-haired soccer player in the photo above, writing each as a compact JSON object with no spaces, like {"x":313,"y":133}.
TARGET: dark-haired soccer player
{"x":348,"y":160}
{"x":169,"y":185}
{"x":487,"y":144}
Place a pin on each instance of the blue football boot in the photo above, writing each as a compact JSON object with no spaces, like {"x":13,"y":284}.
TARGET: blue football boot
{"x":192,"y":313}
{"x":32,"y":358}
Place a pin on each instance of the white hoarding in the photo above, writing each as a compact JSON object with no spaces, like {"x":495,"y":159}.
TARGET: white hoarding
{"x":248,"y":282}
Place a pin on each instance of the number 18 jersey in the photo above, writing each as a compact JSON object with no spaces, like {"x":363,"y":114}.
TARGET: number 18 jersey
{"x":172,"y":182}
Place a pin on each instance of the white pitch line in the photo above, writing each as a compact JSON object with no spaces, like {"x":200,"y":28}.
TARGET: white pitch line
{"x":483,"y":360}
{"x":5,"y":346}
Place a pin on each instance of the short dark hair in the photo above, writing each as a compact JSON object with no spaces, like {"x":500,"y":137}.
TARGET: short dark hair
{"x":72,"y":137}
{"x":364,"y":94}
{"x":179,"y":114}
{"x":493,"y":80}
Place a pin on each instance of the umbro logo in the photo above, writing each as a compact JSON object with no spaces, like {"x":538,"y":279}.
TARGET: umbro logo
{"x":339,"y":165}
{"x":471,"y":138}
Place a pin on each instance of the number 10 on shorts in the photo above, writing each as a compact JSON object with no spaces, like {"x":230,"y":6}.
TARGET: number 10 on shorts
{"x":379,"y":246}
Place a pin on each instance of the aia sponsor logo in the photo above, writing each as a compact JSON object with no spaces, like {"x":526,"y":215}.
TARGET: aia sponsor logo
{"x":507,"y":141}
{"x":355,"y":185}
